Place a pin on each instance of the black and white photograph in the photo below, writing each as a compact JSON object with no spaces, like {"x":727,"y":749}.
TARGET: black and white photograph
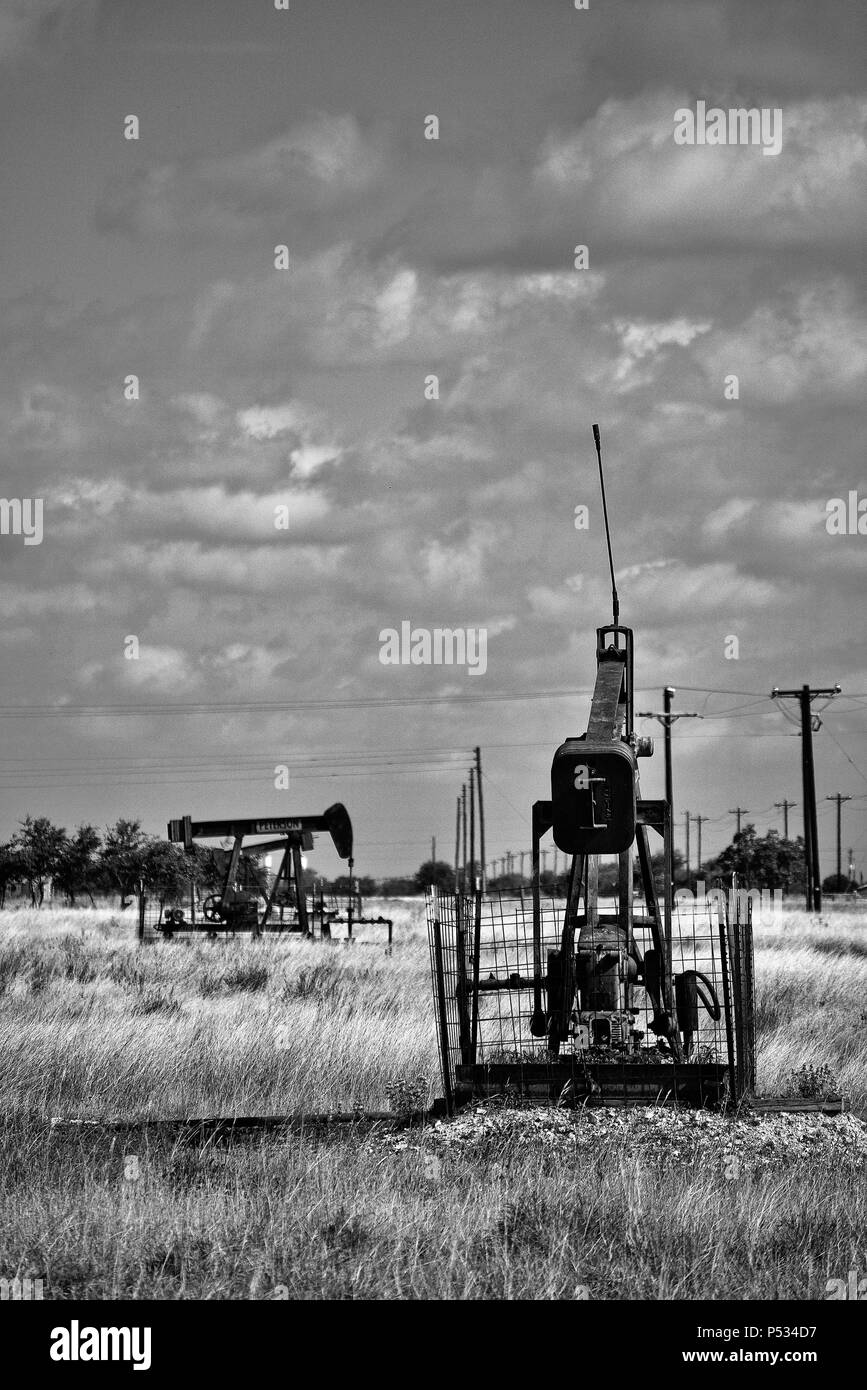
{"x":434,"y":680}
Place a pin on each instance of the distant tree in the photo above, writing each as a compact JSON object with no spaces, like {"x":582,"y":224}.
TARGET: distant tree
{"x":398,"y":888}
{"x":208,"y":868}
{"x":38,"y":846}
{"x":767,"y":861}
{"x":365,"y":886}
{"x":10,"y":869}
{"x":78,"y":864}
{"x":841,"y":883}
{"x":436,"y":873}
{"x":506,"y":883}
{"x":166,"y":871}
{"x":123,"y":856}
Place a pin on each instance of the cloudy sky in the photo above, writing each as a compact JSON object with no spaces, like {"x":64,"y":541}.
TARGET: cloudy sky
{"x":304,"y":388}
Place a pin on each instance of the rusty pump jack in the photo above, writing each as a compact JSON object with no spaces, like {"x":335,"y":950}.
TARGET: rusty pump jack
{"x":573,"y":1002}
{"x":596,"y":808}
{"x":238,"y":911}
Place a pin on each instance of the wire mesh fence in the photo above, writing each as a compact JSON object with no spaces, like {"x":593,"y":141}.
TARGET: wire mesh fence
{"x":496,"y":984}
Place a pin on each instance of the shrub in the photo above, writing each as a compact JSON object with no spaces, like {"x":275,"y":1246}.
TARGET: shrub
{"x":812,"y":1082}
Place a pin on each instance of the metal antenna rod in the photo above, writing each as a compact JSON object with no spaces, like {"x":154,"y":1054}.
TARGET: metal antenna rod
{"x":615,"y":601}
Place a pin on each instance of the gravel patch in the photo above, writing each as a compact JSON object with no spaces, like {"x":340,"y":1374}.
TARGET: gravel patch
{"x":756,"y":1141}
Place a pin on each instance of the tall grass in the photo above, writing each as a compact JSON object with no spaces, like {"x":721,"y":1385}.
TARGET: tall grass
{"x":90,"y":1024}
{"x":351,"y":1218}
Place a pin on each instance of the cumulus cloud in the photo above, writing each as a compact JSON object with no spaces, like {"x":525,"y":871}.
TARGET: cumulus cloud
{"x":810,"y":343}
{"x":313,"y":169}
{"x":622,"y":173}
{"x":618,"y":178}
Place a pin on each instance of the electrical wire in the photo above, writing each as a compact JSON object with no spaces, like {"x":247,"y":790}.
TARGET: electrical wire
{"x":174,"y":707}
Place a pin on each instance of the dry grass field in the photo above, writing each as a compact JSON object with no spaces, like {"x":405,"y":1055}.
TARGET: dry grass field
{"x":650,"y":1205}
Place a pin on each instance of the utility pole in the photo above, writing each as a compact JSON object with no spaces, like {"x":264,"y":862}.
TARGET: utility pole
{"x":805,"y":697}
{"x":687,"y":819}
{"x":481,"y":815}
{"x":472,"y":830}
{"x":433,"y":849}
{"x":666,"y":719}
{"x":699,"y":820}
{"x":740,"y":811}
{"x":839,"y":800}
{"x":464,"y":833}
{"x":784,"y":807}
{"x":555,"y":861}
{"x":458,"y":846}
{"x":523,"y":853}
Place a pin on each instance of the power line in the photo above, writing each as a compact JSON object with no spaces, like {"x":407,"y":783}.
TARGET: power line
{"x":845,"y":754}
{"x":147,"y":708}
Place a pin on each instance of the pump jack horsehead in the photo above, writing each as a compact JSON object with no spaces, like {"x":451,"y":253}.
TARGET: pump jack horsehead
{"x":596,"y":808}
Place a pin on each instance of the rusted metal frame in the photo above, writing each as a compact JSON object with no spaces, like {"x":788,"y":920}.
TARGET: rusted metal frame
{"x":625,"y":895}
{"x":592,"y":898}
{"x":297,"y":873}
{"x":650,"y":895}
{"x":742,"y":984}
{"x":464,"y":1031}
{"x":541,"y":822}
{"x":477,"y":950}
{"x":571,"y":925}
{"x":231,"y":871}
{"x":606,"y":713}
{"x":749,"y":1000}
{"x":657,"y":815}
{"x":625,"y":654}
{"x":439,"y":974}
{"x":667,"y":913}
{"x":625,"y":909}
{"x":269,"y":902}
{"x":727,"y":1001}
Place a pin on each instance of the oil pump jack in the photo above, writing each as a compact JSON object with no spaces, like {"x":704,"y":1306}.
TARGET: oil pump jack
{"x":612,"y":1004}
{"x":235,"y":908}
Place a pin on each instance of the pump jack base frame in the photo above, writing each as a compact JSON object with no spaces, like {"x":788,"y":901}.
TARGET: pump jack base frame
{"x":569,"y":1082}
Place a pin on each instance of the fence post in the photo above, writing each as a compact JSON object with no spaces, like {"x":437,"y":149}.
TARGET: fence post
{"x":441,"y":1008}
{"x":463,"y":984}
{"x":748,"y":978}
{"x":727,"y":1003}
{"x":477,"y":947}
